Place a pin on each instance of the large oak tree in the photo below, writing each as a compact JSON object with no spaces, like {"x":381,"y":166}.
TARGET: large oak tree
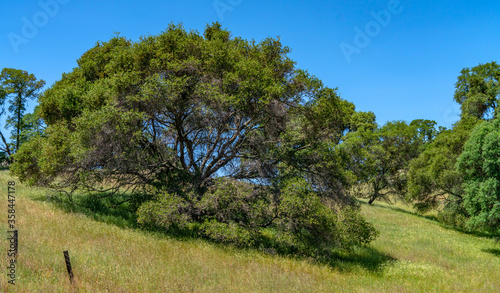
{"x":224,"y":132}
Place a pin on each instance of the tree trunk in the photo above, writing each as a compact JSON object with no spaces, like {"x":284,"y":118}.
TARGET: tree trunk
{"x":375,"y":192}
{"x":7,"y":148}
{"x":18,"y":120}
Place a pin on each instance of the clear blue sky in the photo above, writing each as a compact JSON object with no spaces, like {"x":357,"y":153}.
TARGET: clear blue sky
{"x":402,"y":66}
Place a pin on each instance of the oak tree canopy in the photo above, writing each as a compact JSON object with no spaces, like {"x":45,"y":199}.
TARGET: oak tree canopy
{"x":224,"y":133}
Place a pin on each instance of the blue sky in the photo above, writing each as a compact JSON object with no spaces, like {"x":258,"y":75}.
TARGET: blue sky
{"x":399,"y":59}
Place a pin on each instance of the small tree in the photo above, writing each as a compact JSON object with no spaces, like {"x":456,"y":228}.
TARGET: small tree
{"x":19,"y":86}
{"x":381,"y":157}
{"x":478,"y":90}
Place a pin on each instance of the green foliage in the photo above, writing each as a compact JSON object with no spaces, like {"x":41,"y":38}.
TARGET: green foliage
{"x":478,"y":90}
{"x":43,"y":158}
{"x":228,"y":233}
{"x":229,"y":212}
{"x":480,"y":165}
{"x":165,"y":211}
{"x":425,"y":129}
{"x":433,"y":176}
{"x":363,"y":121}
{"x":304,"y":221}
{"x":242,"y":214}
{"x":4,"y":159}
{"x":231,"y":201}
{"x":308,"y":224}
{"x":454,"y":215}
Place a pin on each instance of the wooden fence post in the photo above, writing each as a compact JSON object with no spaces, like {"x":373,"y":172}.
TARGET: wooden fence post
{"x":68,"y":265}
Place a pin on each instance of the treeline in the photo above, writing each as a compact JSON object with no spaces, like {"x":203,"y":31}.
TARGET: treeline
{"x":456,"y":171}
{"x":226,"y":138}
{"x":460,"y":169}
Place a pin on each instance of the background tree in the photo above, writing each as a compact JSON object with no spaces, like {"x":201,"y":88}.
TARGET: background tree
{"x":480,"y":165}
{"x":19,"y":86}
{"x":426,"y":130}
{"x":31,"y":126}
{"x":433,"y":178}
{"x":478,"y":90}
{"x":381,"y":157}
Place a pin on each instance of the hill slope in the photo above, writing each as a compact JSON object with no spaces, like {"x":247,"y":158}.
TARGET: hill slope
{"x":412,"y":254}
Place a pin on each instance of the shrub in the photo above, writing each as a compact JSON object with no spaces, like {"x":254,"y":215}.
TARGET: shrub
{"x":291,"y":218}
{"x":480,"y":165}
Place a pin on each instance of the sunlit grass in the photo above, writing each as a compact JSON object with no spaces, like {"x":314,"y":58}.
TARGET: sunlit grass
{"x":412,"y":254}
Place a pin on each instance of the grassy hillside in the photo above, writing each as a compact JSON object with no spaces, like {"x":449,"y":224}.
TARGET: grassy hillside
{"x":412,"y":254}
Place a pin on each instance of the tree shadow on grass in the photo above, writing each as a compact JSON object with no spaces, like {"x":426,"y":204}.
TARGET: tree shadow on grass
{"x":119,"y":209}
{"x":364,"y":257}
{"x":397,"y":209}
{"x":494,"y":251}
